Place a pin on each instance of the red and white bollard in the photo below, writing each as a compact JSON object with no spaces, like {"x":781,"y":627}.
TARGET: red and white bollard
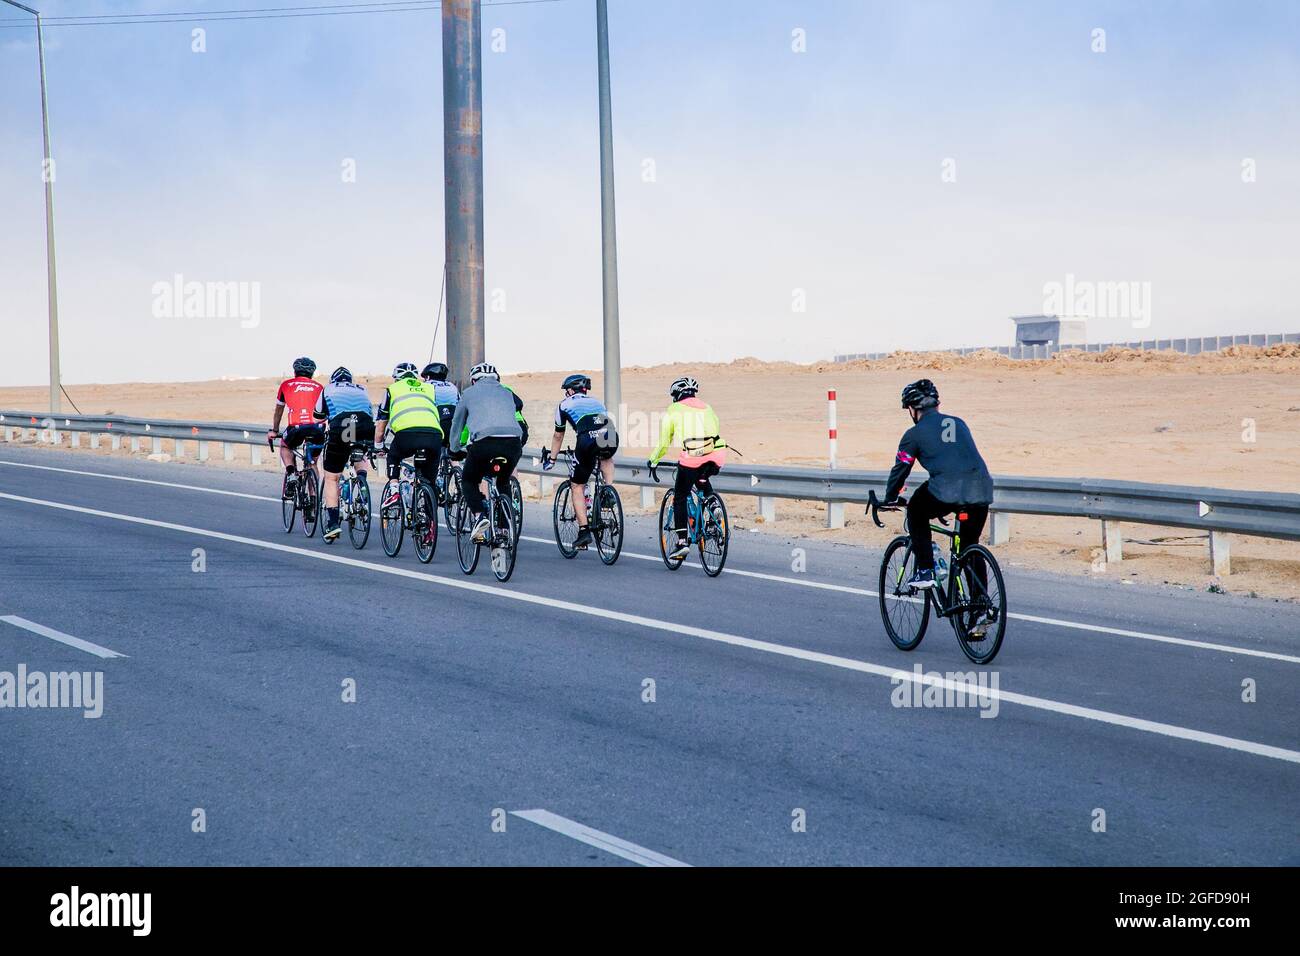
{"x":834,"y":509}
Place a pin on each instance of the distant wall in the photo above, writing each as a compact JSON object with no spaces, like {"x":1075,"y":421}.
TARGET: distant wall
{"x":1188,"y":346}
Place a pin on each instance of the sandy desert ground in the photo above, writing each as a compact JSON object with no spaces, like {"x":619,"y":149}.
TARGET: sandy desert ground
{"x":1229,"y":419}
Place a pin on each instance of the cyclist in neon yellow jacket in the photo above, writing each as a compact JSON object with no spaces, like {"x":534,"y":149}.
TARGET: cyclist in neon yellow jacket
{"x":693,"y":425}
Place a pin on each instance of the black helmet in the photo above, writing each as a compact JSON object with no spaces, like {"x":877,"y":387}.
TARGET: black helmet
{"x":340,"y":374}
{"x":304,"y":366}
{"x":921,"y":394}
{"x":435,"y":372}
{"x":577,"y":382}
{"x":683,"y":387}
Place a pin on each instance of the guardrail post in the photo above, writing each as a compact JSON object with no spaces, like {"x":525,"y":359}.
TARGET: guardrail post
{"x":767,"y":509}
{"x":647,"y":497}
{"x":227,"y":451}
{"x":155,"y":445}
{"x":117,"y":442}
{"x":94,"y":439}
{"x":255,"y":454}
{"x":76,"y":439}
{"x":135,"y":445}
{"x":1000,"y":529}
{"x":545,"y":484}
{"x":835,"y":514}
{"x":1220,"y":557}
{"x":178,"y":449}
{"x":1112,"y":541}
{"x":203,"y":451}
{"x":9,"y":433}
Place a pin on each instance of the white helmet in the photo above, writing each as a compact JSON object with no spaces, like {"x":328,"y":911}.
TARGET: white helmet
{"x":683,"y":386}
{"x":483,"y":370}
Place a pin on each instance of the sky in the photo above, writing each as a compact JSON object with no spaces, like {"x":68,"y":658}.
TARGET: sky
{"x":794,"y":180}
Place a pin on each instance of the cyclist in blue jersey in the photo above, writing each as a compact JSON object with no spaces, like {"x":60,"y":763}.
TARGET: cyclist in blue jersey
{"x":595,"y":442}
{"x":445,"y":394}
{"x":345,"y":405}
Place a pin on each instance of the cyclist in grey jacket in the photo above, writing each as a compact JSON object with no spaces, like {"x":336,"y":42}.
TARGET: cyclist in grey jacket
{"x":959,"y":479}
{"x":487,"y":411}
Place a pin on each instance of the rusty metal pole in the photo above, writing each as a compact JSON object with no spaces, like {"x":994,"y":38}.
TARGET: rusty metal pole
{"x":462,"y":146}
{"x":608,"y":234}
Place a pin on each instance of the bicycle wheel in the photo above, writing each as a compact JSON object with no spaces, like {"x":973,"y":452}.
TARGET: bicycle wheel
{"x":517,"y":500}
{"x":359,"y":516}
{"x":505,"y":539}
{"x":667,"y":533}
{"x":609,"y":536}
{"x":424,"y":523}
{"x":310,"y":501}
{"x":979,"y":596}
{"x":715,"y":535}
{"x":288,"y":509}
{"x":565,"y":520}
{"x":391,"y":527}
{"x":905,"y":611}
{"x":466,"y":546}
{"x":451,"y":495}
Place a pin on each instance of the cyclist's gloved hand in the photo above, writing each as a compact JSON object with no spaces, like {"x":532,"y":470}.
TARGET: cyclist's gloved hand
{"x":547,"y":461}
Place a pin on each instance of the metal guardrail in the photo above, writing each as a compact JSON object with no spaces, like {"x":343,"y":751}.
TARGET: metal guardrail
{"x":1215,"y":510}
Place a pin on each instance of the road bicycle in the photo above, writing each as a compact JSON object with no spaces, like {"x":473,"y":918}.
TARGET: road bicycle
{"x":968,"y":590}
{"x":447,"y":489}
{"x":407,"y":504}
{"x":354,"y":495}
{"x":306,"y":488}
{"x":502,"y":538}
{"x":604,"y":514}
{"x":707,"y":528}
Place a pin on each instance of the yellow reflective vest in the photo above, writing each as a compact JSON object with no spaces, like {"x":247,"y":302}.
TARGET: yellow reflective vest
{"x":411,"y":405}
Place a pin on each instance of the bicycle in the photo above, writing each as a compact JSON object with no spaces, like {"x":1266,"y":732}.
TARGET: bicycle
{"x":354,"y":496}
{"x":447,"y":488}
{"x":502,"y":539}
{"x":407,"y":504}
{"x":707,"y":527}
{"x":968,"y":590}
{"x":306,"y":488}
{"x":604,"y":515}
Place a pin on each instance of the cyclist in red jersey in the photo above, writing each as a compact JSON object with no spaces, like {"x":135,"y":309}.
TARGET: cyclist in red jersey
{"x":299,"y":396}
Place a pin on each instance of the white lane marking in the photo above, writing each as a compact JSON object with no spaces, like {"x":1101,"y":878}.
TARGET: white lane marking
{"x":59,"y":636}
{"x":602,"y":841}
{"x":687,"y":630}
{"x":782,"y":579}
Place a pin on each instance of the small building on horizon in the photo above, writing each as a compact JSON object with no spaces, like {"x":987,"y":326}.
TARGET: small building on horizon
{"x":1050,"y":330}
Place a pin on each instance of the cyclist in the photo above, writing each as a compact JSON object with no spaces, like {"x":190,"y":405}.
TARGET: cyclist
{"x":299,"y":396}
{"x":596,"y":442}
{"x":486,"y":426}
{"x":959,"y":479}
{"x":445,"y":393}
{"x":345,"y":405}
{"x":694,"y":425}
{"x":410,"y":412}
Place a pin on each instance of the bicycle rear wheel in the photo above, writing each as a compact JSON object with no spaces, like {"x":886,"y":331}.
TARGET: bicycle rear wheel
{"x":359,"y":516}
{"x":517,"y":501}
{"x":609,"y":536}
{"x":390,"y":517}
{"x":424,"y":523}
{"x":466,"y":546}
{"x":310,"y":501}
{"x":288,"y":510}
{"x":905,"y":611}
{"x":715,"y":535}
{"x":505,"y":540}
{"x":667,"y":533}
{"x":451,"y":494}
{"x":565,"y":520}
{"x":980,"y":599}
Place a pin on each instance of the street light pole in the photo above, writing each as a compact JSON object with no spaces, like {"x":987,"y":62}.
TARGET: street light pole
{"x":47,"y":173}
{"x":608,"y":236}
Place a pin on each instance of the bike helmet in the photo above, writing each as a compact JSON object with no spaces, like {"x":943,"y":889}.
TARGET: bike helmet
{"x":921,"y":394}
{"x":435,"y":372}
{"x":403,"y":370}
{"x":483,"y":370}
{"x":579,"y":383}
{"x":340,"y":374}
{"x":304,"y":367}
{"x":684,"y":387}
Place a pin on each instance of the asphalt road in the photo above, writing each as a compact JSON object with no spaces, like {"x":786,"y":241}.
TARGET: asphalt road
{"x":772,"y":737}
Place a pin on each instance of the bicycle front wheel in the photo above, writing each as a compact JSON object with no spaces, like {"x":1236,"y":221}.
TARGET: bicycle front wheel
{"x":905,"y":611}
{"x":667,"y":533}
{"x":609,"y":535}
{"x":359,"y":516}
{"x":715,"y":536}
{"x":288,"y":510}
{"x":310,"y":501}
{"x":565,"y":520}
{"x":980,"y":603}
{"x":466,"y":546}
{"x":517,"y":502}
{"x":450,"y":495}
{"x":390,"y":517}
{"x":505,"y":540}
{"x":424,"y":523}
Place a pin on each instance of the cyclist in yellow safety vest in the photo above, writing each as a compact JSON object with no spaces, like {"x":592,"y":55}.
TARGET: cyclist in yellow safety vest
{"x":694,"y":426}
{"x":411,"y":414}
